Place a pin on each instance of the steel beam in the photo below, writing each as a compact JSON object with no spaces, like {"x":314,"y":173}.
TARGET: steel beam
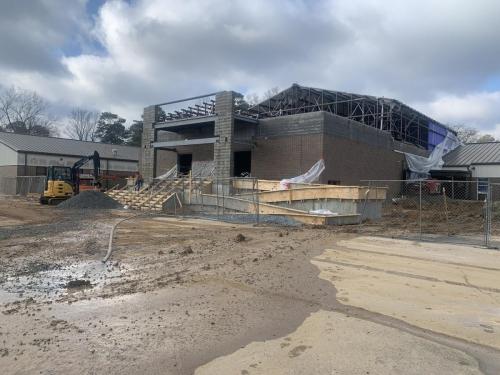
{"x":183,"y":122}
{"x":185,"y":142}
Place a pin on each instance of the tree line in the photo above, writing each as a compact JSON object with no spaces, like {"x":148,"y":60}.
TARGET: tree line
{"x":26,"y":112}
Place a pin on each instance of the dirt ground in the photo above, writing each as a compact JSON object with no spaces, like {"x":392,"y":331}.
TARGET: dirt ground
{"x":184,"y":296}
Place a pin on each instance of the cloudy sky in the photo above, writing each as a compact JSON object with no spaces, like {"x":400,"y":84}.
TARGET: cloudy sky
{"x":442,"y":57}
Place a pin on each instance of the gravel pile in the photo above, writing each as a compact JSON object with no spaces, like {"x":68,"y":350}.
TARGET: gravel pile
{"x":90,"y":200}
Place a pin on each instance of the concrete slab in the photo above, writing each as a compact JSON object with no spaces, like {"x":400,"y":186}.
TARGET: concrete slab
{"x":448,"y":289}
{"x":331,"y":343}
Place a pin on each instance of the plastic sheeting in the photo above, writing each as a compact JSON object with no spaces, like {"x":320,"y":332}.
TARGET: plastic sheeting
{"x":422,"y":165}
{"x":310,"y":176}
{"x":323,"y":211}
{"x":170,"y":173}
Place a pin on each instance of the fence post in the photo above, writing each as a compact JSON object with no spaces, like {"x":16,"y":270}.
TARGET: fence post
{"x":487,"y":216}
{"x":190,"y":184}
{"x":217,"y":195}
{"x":420,"y":209}
{"x":224,"y":198}
{"x":257,"y":196}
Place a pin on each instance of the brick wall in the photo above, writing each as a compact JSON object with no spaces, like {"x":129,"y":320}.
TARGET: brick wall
{"x":288,"y":146}
{"x":288,"y":156}
{"x":348,"y":162}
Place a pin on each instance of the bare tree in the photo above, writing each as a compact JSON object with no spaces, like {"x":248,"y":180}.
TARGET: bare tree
{"x":271,"y":92}
{"x":468,"y":134}
{"x":254,"y":99}
{"x":465,"y":134}
{"x":486,"y":138}
{"x":83,"y":124}
{"x":24,"y":112}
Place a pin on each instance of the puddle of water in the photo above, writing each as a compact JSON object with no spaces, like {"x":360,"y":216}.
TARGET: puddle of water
{"x":50,"y":284}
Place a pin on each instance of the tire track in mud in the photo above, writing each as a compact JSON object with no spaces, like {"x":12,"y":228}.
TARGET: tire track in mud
{"x":410,"y":275}
{"x":340,"y":248}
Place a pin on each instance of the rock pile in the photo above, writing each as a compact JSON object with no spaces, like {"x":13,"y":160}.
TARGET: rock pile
{"x":90,"y":200}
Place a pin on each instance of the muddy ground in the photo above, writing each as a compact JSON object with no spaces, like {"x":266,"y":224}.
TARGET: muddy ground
{"x":180,"y":295}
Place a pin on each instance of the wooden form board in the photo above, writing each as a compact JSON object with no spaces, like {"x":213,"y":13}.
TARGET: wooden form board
{"x":301,"y":216}
{"x":320,"y":192}
{"x":337,"y":192}
{"x":264,"y":185}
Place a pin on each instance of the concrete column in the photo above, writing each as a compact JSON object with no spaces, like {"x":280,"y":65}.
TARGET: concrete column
{"x":148,"y":154}
{"x":224,"y":128}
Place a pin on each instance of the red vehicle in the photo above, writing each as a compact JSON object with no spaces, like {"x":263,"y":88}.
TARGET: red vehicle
{"x":429,"y":187}
{"x":88,"y":182}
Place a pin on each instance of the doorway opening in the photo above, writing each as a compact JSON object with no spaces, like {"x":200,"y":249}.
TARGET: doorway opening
{"x":242,"y":163}
{"x":184,"y":164}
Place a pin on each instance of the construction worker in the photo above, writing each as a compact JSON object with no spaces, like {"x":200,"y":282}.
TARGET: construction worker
{"x":138,"y":182}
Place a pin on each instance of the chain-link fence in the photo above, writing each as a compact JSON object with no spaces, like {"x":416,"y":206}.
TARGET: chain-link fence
{"x":493,"y":215}
{"x":22,"y":185}
{"x":451,"y":211}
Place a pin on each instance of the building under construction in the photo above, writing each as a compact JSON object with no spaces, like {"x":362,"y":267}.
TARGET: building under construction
{"x":359,"y":137}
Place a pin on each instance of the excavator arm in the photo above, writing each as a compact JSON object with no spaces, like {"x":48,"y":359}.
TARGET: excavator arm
{"x":75,"y":170}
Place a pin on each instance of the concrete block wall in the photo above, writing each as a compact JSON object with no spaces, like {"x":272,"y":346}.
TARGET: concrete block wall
{"x":301,"y":124}
{"x":148,"y":154}
{"x":165,"y":160}
{"x":244,"y":131}
{"x":224,"y":129}
{"x":341,"y":127}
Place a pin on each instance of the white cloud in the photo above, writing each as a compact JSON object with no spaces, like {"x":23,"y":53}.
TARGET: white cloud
{"x":479,"y":109}
{"x":436,"y":55}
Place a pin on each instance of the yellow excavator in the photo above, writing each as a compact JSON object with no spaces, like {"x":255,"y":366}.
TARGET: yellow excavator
{"x":64,"y":182}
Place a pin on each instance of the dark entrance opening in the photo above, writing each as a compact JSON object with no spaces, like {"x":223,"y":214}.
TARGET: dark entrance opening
{"x":242,"y":163}
{"x":184,"y":163}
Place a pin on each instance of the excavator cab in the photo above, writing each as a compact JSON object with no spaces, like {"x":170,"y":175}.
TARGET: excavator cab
{"x":58,"y":185}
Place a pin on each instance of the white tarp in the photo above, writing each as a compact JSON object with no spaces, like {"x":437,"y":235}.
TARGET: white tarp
{"x":422,"y":165}
{"x":323,"y":211}
{"x":310,"y":176}
{"x":170,"y":173}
